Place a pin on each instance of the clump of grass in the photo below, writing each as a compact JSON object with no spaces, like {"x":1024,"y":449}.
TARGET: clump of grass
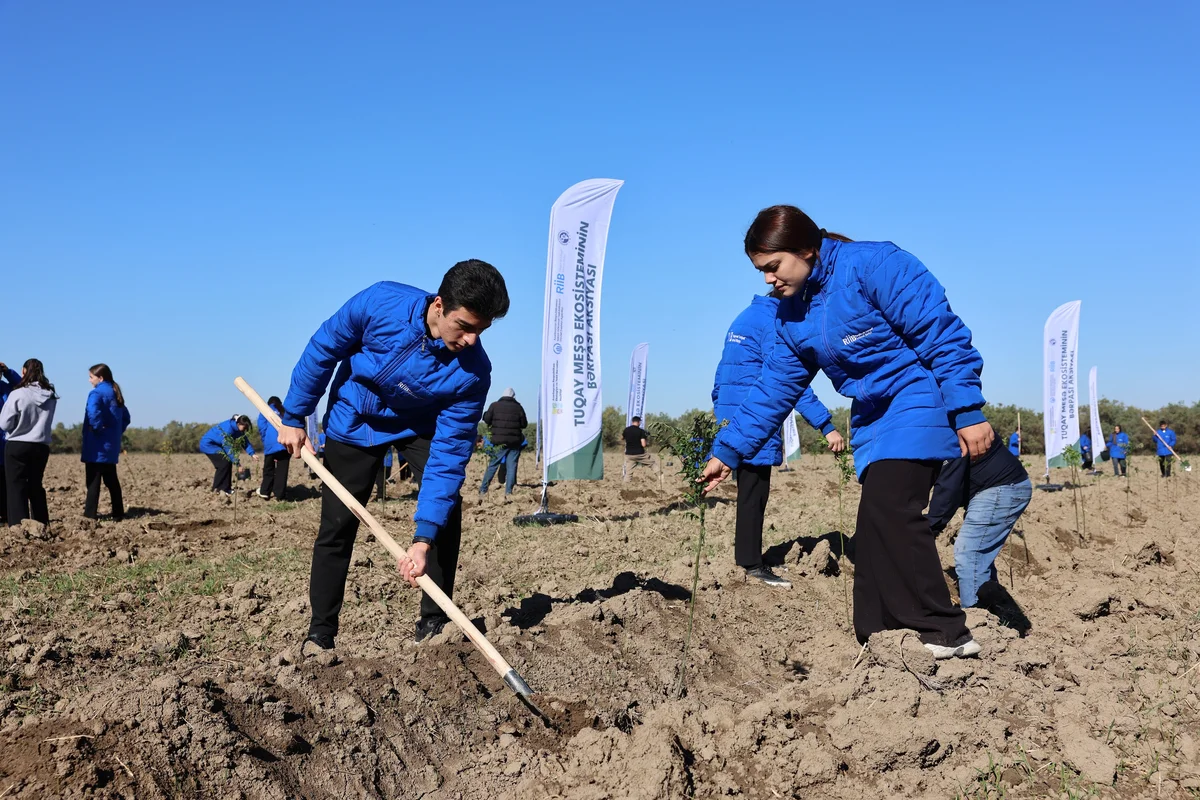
{"x":691,"y":444}
{"x":282,"y":505}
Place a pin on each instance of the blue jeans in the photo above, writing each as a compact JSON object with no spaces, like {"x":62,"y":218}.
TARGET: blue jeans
{"x":990,"y":518}
{"x":509,"y":456}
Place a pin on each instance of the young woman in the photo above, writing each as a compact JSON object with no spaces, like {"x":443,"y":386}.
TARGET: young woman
{"x":1118,"y":443}
{"x":747,"y":343}
{"x":104,"y":422}
{"x":874,"y":319}
{"x":219,"y":443}
{"x":26,"y":419}
{"x":275,"y":456}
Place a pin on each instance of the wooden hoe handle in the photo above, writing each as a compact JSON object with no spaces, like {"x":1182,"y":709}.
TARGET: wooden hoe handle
{"x":1158,"y":436}
{"x":510,"y":676}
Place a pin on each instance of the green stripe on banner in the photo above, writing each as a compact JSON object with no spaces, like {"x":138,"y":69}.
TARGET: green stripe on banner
{"x":585,"y":464}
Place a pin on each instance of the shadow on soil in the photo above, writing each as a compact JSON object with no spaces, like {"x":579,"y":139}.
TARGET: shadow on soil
{"x":534,"y":609}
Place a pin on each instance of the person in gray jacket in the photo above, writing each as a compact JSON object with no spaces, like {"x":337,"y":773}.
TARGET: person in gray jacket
{"x":26,"y":418}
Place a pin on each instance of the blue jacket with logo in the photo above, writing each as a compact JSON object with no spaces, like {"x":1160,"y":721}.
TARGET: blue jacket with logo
{"x":104,"y":422}
{"x":1014,"y":444}
{"x":1117,"y":444}
{"x":877,"y":322}
{"x":747,"y":343}
{"x":1168,"y":436}
{"x":214,"y":441}
{"x":8,"y":382}
{"x":270,"y":437}
{"x":395,"y":382}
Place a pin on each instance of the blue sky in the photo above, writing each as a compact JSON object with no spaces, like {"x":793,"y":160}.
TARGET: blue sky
{"x":188,"y":190}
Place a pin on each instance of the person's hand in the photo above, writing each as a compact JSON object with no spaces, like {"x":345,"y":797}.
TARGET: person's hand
{"x":412,"y":563}
{"x":836,"y":443}
{"x":974,"y":440}
{"x":294,"y":439}
{"x":254,"y":458}
{"x":715,"y":471}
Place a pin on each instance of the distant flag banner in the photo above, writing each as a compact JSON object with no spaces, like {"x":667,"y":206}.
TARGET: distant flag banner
{"x":636,"y":407}
{"x":1061,"y":348}
{"x":791,"y":439}
{"x":571,"y":405}
{"x":1098,"y":445}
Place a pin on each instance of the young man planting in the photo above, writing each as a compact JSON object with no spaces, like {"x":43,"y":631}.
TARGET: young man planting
{"x":412,"y":375}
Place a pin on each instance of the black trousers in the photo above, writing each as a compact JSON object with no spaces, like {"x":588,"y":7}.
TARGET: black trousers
{"x":223,"y":477}
{"x":24,"y":466}
{"x":1164,"y":465}
{"x":753,"y":490}
{"x":1118,"y":463}
{"x":356,"y":469}
{"x":107,"y":473}
{"x":3,"y":490}
{"x":898,"y":579}
{"x":275,"y":474}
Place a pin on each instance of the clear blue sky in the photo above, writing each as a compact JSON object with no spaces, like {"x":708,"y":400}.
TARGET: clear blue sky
{"x":188,"y":190}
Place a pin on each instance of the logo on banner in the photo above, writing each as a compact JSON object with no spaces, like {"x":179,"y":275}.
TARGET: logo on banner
{"x":564,"y":237}
{"x":557,"y":349}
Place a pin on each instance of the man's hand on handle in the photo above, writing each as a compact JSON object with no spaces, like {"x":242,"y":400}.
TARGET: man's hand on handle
{"x":294,"y":439}
{"x":412,"y":563}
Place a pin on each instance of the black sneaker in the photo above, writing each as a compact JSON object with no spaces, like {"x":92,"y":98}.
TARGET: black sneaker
{"x":767,"y":575}
{"x":430,"y":626}
{"x":315,"y":643}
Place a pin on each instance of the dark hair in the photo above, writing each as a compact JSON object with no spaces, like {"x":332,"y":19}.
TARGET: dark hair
{"x":476,"y":286}
{"x":274,"y":402}
{"x":786,"y":229}
{"x":1162,"y":422}
{"x":102,"y":372}
{"x":635,"y":419}
{"x":242,"y":419}
{"x":1116,"y":428}
{"x":35,"y":374}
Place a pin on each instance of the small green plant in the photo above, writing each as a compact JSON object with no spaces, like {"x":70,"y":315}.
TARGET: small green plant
{"x":846,"y":473}
{"x":1074,"y":458}
{"x":229,"y":452}
{"x":691,"y":444}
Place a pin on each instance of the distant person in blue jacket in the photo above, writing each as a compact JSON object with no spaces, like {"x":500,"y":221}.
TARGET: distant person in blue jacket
{"x":9,"y":378}
{"x":276,"y":459}
{"x":1085,"y":450}
{"x":876,"y":321}
{"x":218,"y":444}
{"x":1118,"y":443}
{"x":1164,"y":442}
{"x":104,"y":422}
{"x":1014,"y":444}
{"x":385,"y":474}
{"x":747,"y":343}
{"x":408,"y":371}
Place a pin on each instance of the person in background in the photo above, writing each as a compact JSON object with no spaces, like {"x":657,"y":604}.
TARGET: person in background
{"x":507,"y":421}
{"x":636,"y":442}
{"x":878,"y":324}
{"x":9,"y":378}
{"x":26,"y":419}
{"x":1118,"y":443}
{"x":313,"y":433}
{"x":1164,"y":443}
{"x":995,"y":490}
{"x":408,"y":370}
{"x":746,"y":343}
{"x":218,"y":444}
{"x":1085,"y":451}
{"x":385,"y":472}
{"x":1014,"y":444}
{"x":104,"y":422}
{"x":276,"y":459}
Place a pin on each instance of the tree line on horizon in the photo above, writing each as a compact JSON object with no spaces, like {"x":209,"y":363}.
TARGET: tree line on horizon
{"x":184,"y":437}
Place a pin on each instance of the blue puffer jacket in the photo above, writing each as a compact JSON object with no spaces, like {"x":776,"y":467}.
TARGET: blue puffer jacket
{"x":1117,"y":444}
{"x":395,"y":382}
{"x":1085,"y":446}
{"x":270,"y":437}
{"x":213,"y":442}
{"x":1168,"y":436}
{"x":1014,"y":444}
{"x":104,"y":422}
{"x":752,"y":333}
{"x":8,"y":382}
{"x":877,"y":322}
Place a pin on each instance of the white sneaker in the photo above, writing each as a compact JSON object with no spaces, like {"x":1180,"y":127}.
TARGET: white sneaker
{"x":260,"y":494}
{"x":969,"y":648}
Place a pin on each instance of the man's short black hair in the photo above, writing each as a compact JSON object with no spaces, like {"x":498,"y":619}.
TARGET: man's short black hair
{"x":1162,"y":422}
{"x":635,"y":419}
{"x":476,"y":286}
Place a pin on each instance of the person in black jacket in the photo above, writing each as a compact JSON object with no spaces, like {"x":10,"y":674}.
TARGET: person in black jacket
{"x":995,"y":490}
{"x":507,"y":421}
